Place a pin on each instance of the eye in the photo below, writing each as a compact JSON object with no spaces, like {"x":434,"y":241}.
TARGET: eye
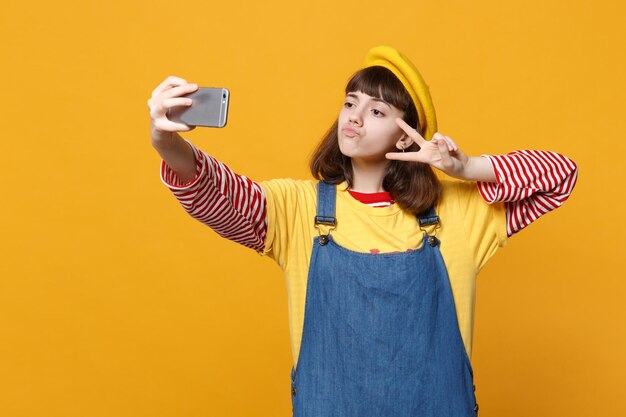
{"x":381,"y":113}
{"x":347,"y":104}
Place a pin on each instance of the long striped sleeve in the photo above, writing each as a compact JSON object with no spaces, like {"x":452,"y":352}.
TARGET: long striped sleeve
{"x":230,"y":204}
{"x":531,"y":183}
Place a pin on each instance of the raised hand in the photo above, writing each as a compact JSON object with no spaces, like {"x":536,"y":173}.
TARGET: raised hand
{"x":440,"y":152}
{"x":164,"y":136}
{"x":165,"y":96}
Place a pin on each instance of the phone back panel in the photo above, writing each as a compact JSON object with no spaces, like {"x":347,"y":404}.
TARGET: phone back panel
{"x":209,"y":108}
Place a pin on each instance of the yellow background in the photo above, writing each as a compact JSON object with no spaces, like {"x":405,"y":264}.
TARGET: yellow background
{"x":114,"y":302}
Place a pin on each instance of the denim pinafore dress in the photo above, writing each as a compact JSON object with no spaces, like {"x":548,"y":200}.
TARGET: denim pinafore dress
{"x":380,"y":335}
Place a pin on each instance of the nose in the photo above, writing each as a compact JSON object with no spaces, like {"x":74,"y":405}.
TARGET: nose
{"x":355,"y":117}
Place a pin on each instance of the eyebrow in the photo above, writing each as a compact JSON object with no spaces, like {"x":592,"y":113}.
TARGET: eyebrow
{"x":373,"y":99}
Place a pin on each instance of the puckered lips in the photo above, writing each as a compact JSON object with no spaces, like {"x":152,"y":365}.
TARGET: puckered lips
{"x":349,"y":131}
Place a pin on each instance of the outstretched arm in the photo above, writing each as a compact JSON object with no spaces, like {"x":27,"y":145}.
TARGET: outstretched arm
{"x":208,"y":190}
{"x":230,"y":204}
{"x":531,"y":183}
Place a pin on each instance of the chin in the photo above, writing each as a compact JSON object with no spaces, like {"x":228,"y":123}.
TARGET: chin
{"x":343,"y":146}
{"x":344,"y":153}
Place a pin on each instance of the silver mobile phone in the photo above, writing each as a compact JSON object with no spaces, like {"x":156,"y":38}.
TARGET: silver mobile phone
{"x":209,"y":107}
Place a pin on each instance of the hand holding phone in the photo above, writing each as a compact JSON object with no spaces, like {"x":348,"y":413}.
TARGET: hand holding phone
{"x":209,"y":108}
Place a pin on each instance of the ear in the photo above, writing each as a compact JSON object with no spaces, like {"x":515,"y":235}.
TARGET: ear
{"x":404,"y":142}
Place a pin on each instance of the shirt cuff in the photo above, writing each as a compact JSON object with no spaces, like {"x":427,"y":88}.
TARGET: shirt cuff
{"x":489,"y":191}
{"x":173,"y":181}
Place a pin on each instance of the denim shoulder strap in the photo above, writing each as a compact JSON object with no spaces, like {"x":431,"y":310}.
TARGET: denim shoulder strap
{"x":325,"y":204}
{"x":428,"y":217}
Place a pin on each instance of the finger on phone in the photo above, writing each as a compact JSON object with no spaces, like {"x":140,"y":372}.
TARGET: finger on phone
{"x":168,"y":103}
{"x":168,"y":83}
{"x":170,"y":126}
{"x":180,"y":90}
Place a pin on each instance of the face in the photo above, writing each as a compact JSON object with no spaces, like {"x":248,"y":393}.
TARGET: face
{"x":367,"y":127}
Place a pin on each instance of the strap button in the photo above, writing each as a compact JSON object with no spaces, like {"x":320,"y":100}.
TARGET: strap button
{"x":323,"y":239}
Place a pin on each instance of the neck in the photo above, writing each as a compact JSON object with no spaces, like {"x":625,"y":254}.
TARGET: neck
{"x":367,"y":176}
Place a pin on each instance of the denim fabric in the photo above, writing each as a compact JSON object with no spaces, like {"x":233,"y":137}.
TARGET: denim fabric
{"x":380,"y":336}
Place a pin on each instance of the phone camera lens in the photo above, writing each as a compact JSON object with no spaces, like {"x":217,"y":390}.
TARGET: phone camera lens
{"x":224,"y":95}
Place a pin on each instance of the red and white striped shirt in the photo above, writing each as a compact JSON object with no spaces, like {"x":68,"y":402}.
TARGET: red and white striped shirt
{"x":531,"y":183}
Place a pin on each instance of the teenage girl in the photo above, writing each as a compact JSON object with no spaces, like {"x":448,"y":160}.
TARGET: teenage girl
{"x":380,"y":254}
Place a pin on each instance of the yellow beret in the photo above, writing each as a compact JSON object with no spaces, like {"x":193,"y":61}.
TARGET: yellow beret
{"x":392,"y":59}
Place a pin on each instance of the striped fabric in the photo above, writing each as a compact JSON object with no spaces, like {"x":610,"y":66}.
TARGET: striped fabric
{"x":230,"y":204}
{"x":531,"y":183}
